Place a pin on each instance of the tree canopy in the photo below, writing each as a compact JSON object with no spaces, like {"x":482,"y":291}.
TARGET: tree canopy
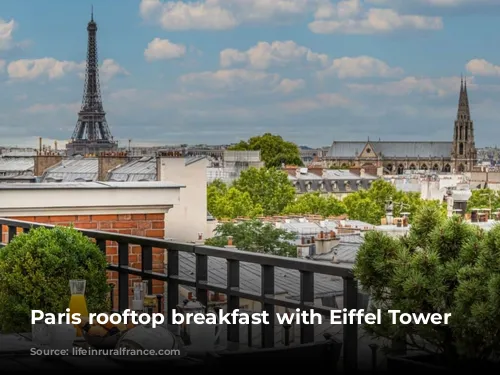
{"x":267,"y":187}
{"x":274,"y":150}
{"x":255,"y":236}
{"x":316,"y":204}
{"x":482,"y":198}
{"x":444,"y":265}
{"x":267,"y":191}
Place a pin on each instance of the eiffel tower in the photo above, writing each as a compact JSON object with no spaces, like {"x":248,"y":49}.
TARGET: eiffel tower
{"x":91,"y":134}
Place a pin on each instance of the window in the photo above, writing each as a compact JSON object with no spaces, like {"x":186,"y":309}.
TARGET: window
{"x":368,"y":150}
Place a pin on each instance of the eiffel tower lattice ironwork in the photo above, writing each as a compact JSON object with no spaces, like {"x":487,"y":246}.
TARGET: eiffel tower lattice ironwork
{"x":91,"y":133}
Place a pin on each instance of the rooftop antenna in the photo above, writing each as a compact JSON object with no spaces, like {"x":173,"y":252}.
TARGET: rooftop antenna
{"x":92,"y":12}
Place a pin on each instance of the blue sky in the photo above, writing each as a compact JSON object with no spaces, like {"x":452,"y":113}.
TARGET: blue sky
{"x":217,"y":71}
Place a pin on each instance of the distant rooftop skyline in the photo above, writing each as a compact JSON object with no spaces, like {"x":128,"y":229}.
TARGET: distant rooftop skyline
{"x":219,"y":71}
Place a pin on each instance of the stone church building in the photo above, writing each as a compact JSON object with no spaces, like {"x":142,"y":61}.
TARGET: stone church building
{"x":457,"y":156}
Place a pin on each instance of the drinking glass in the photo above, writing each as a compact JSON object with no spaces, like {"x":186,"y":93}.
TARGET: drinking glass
{"x":77,"y":303}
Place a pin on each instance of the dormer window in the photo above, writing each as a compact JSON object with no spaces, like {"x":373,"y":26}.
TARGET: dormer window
{"x":335,"y":185}
{"x":320,"y":185}
{"x":347,"y":185}
{"x":308,"y":185}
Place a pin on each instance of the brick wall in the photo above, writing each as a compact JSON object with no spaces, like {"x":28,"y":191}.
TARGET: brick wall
{"x":146,"y":225}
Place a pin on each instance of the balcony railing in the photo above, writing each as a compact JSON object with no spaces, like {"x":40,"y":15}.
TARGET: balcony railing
{"x":232,"y":290}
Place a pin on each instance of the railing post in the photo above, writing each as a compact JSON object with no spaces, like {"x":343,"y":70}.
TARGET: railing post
{"x":202,"y":279}
{"x":307,"y":298}
{"x":12,"y":231}
{"x":233,"y":303}
{"x":350,"y":331}
{"x":267,"y":289}
{"x":172,"y":283}
{"x":123,"y":276}
{"x":147,"y":265}
{"x":101,"y":244}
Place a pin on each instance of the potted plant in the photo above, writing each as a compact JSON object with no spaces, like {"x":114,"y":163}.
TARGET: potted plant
{"x":35,"y":269}
{"x":444,"y":265}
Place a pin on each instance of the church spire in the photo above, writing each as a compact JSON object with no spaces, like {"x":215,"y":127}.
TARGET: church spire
{"x":463,"y":101}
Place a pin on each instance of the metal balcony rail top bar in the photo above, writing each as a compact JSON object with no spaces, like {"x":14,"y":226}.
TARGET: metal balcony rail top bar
{"x":232,"y":289}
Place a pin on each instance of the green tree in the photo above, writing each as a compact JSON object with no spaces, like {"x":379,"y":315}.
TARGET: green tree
{"x":360,"y":206}
{"x":316,"y":204}
{"x":234,"y":203}
{"x":273,"y":150}
{"x":268,"y":188}
{"x":215,"y":191}
{"x":255,"y":236}
{"x":450,"y":266}
{"x":35,"y":269}
{"x":369,"y":205}
{"x":481,"y":198}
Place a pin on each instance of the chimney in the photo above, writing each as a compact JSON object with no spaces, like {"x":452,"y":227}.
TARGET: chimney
{"x":304,"y":248}
{"x":108,"y":161}
{"x":200,"y":240}
{"x":325,"y":242}
{"x":44,"y":161}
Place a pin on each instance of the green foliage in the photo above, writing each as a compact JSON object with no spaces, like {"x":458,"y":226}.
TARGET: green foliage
{"x":224,"y":202}
{"x":255,"y":236}
{"x":443,"y":266}
{"x":316,"y":204}
{"x":273,"y":150}
{"x":35,"y":269}
{"x":268,"y":188}
{"x":482,"y":198}
{"x":369,"y":205}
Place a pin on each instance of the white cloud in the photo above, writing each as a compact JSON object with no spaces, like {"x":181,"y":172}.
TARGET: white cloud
{"x":482,"y":67}
{"x":435,"y":86}
{"x":163,"y":49}
{"x":358,"y":67}
{"x":48,"y":108}
{"x":219,"y":14}
{"x":436,"y":3}
{"x":6,"y":35}
{"x":231,"y":79}
{"x":27,"y":69}
{"x":349,"y":17}
{"x":320,"y":101}
{"x":30,"y":69}
{"x":287,"y":86}
{"x":110,"y":68}
{"x":264,"y":55}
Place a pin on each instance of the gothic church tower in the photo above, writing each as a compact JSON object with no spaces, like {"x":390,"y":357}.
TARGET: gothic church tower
{"x":464,"y":153}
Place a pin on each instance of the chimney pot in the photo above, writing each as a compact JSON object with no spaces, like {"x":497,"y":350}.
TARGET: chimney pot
{"x":190,"y":295}
{"x":312,"y":239}
{"x":200,"y":236}
{"x":321,"y":234}
{"x":230,"y":240}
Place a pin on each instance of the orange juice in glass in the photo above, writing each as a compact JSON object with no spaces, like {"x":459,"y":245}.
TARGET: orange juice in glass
{"x":77,"y":303}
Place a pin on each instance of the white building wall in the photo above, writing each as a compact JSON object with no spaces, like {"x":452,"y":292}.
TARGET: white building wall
{"x":189,"y":218}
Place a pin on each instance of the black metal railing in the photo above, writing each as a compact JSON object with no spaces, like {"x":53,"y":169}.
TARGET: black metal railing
{"x":232,"y":290}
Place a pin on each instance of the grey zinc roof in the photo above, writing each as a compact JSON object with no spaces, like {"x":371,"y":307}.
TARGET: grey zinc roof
{"x":286,"y":281}
{"x":78,"y":169}
{"x":340,"y":149}
{"x":413,"y":149}
{"x":344,"y":174}
{"x":345,"y":149}
{"x":16,"y":164}
{"x":143,"y":169}
{"x":345,"y":251}
{"x":91,"y":185}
